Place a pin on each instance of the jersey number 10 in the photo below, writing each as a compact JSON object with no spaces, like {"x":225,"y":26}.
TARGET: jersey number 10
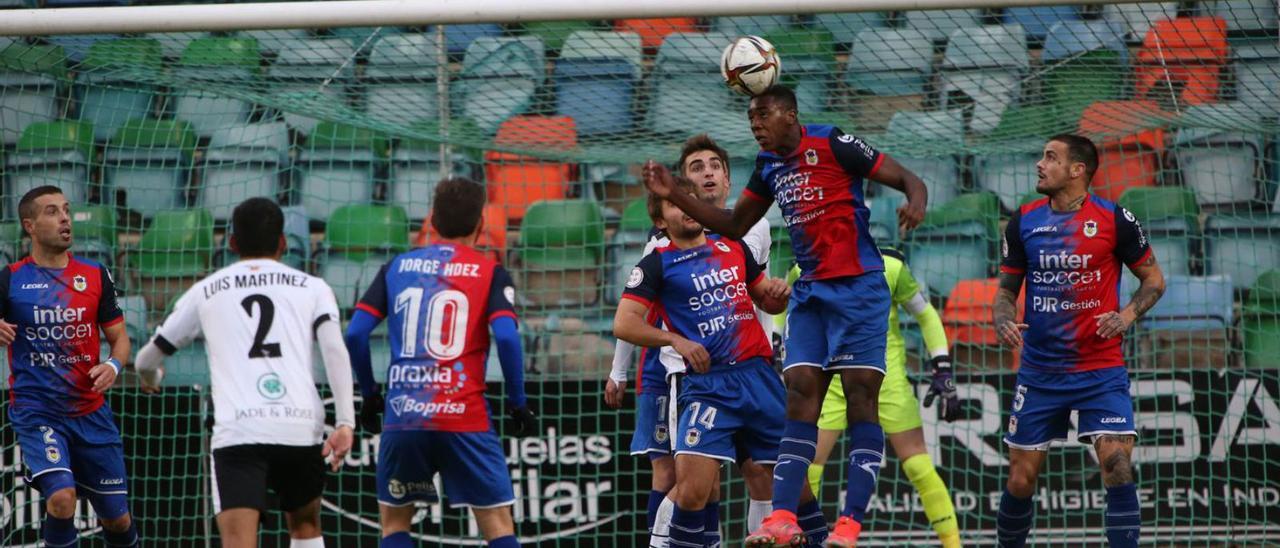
{"x":447,"y":313}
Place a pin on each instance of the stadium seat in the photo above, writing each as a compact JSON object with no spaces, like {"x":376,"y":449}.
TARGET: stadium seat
{"x":50,"y":153}
{"x":1037,"y":21}
{"x":1190,"y":326}
{"x":172,"y":44}
{"x":135,"y":312}
{"x":984,"y":67}
{"x":151,"y":161}
{"x":400,"y":79}
{"x":1242,"y":247}
{"x":561,"y":253}
{"x":688,"y":93}
{"x":928,"y":141}
{"x":364,"y":38}
{"x":493,"y":235}
{"x":108,"y":87}
{"x":1261,"y":324}
{"x":889,"y":70}
{"x":1221,"y":165}
{"x":358,"y":240}
{"x":338,"y":166}
{"x":883,"y":221}
{"x":273,"y":41}
{"x":12,"y":246}
{"x":845,"y":27}
{"x":1257,"y":79}
{"x":596,"y":77}
{"x":29,"y":80}
{"x":95,"y":233}
{"x":173,"y":253}
{"x":1131,"y":141}
{"x":553,"y":34}
{"x":499,"y":79}
{"x":1136,"y":19}
{"x":1085,"y":61}
{"x":297,"y":237}
{"x":242,"y":161}
{"x":1185,"y":53}
{"x":300,"y":71}
{"x":77,"y":46}
{"x":627,"y":246}
{"x":756,"y":25}
{"x":956,"y":241}
{"x":1247,"y":15}
{"x":781,"y":255}
{"x":1005,"y":162}
{"x":227,"y":61}
{"x":653,"y":31}
{"x":811,"y":66}
{"x":458,"y":38}
{"x":516,"y":181}
{"x":1171,"y":219}
{"x":968,"y":318}
{"x":938,"y":25}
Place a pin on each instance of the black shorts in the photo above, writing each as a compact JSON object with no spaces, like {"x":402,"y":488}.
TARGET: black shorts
{"x":242,"y":474}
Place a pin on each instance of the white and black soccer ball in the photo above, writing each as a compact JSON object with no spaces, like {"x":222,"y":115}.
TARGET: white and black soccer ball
{"x":750,"y":65}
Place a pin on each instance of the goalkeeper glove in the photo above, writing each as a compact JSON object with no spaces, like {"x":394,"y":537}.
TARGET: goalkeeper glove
{"x":943,"y":388}
{"x":371,"y":414}
{"x":523,"y":421}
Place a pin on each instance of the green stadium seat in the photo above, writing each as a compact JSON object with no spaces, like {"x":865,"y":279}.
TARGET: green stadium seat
{"x":1005,"y":160}
{"x":11,"y":244}
{"x":781,"y":255}
{"x":553,"y":34}
{"x":1241,"y":246}
{"x":274,"y":41}
{"x":1081,"y":79}
{"x":151,"y":161}
{"x":688,"y":93}
{"x":242,"y":161}
{"x":561,"y":253}
{"x":1171,"y":219}
{"x":983,"y":69}
{"x":400,"y":79}
{"x":627,"y":246}
{"x":172,"y":44}
{"x":300,"y":70}
{"x":173,"y":253}
{"x":956,"y":241}
{"x":108,"y":87}
{"x":810,"y":65}
{"x":925,"y":143}
{"x":95,"y":233}
{"x":499,"y":78}
{"x":228,"y":61}
{"x":1261,"y":323}
{"x":358,"y":240}
{"x":844,"y":27}
{"x":1221,"y":165}
{"x":338,"y":166}
{"x":50,"y":153}
{"x":135,"y":319}
{"x":29,"y":80}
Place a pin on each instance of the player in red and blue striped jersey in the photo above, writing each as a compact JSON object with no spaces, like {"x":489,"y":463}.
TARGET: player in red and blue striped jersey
{"x":53,"y":305}
{"x":440,"y":302}
{"x":838,"y":311}
{"x":1070,"y":247}
{"x":730,"y":403}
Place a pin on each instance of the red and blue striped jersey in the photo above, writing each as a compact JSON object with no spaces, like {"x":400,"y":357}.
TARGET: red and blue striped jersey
{"x":819,"y":189}
{"x":702,"y":295}
{"x":1071,"y":261}
{"x":59,"y":312}
{"x":438,"y":301}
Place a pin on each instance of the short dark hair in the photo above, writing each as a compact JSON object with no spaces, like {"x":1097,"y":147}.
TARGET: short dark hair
{"x":457,"y":207}
{"x":27,"y":205}
{"x":781,"y":94}
{"x":699,"y":143}
{"x":654,"y":203}
{"x":257,"y":224}
{"x":1080,"y":149}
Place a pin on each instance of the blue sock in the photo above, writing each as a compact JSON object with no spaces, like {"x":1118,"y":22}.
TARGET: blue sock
{"x":686,"y":528}
{"x":866,"y":451}
{"x":795,"y":454}
{"x":711,"y":524}
{"x":508,"y":541}
{"x":398,"y":540}
{"x":127,"y":538}
{"x":59,"y":532}
{"x":1014,"y":520}
{"x":655,"y":500}
{"x":813,"y":522}
{"x":1123,"y":516}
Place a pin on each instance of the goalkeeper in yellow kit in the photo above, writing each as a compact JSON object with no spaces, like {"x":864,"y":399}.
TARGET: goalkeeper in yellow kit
{"x":899,"y":409}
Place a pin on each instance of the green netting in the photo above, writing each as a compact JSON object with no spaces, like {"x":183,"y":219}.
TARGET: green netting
{"x":156,"y":137}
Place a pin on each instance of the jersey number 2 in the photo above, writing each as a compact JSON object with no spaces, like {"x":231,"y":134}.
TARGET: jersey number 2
{"x":447,"y":314}
{"x":266,"y":314}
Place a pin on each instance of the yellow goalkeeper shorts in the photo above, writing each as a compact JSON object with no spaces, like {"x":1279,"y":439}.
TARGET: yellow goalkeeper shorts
{"x":899,"y":408}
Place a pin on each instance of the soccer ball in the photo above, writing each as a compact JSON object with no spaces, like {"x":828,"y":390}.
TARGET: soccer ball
{"x":750,"y":65}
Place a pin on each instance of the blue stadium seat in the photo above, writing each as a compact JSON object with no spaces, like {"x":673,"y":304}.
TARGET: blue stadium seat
{"x":1221,"y":165}
{"x":1257,"y":79}
{"x":1247,"y":15}
{"x":929,"y":140}
{"x":29,"y":80}
{"x":884,"y":217}
{"x":1036,"y":21}
{"x":1190,"y":326}
{"x":938,"y":25}
{"x":845,"y":27}
{"x":458,"y":38}
{"x":1069,"y":39}
{"x":1136,"y":19}
{"x":689,"y":95}
{"x":299,"y":71}
{"x":596,"y":77}
{"x":1005,"y":163}
{"x":983,"y":69}
{"x":1242,"y":247}
{"x":242,"y":161}
{"x":400,"y":79}
{"x":77,"y":45}
{"x":890,"y":62}
{"x":499,"y":79}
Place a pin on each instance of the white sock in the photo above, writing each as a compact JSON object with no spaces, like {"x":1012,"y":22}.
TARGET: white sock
{"x":662,"y":524}
{"x":317,"y":542}
{"x":756,"y":512}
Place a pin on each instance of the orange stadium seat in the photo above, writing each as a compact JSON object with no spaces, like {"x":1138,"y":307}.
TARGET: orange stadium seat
{"x":1131,"y":141}
{"x":515,"y":181}
{"x":1186,"y":53}
{"x":653,"y":31}
{"x":968,"y":316}
{"x":493,"y":236}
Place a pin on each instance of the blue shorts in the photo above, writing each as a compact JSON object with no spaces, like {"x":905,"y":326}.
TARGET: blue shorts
{"x":472,"y":466}
{"x":652,"y":436}
{"x":1043,"y":403}
{"x":840,"y":323}
{"x":731,"y":414}
{"x":85,"y":449}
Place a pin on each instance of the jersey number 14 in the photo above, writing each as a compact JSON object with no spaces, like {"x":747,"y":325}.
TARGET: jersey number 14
{"x":447,"y":313}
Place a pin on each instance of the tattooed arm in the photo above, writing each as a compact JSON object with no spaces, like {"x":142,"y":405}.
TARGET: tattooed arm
{"x":1006,"y":310}
{"x":1148,"y":272}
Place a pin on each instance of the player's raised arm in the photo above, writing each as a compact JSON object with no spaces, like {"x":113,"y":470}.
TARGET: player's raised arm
{"x":733,"y":224}
{"x":860,"y":159}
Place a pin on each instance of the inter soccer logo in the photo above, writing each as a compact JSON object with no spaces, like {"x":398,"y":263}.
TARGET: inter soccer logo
{"x":79,"y":283}
{"x":1090,"y":228}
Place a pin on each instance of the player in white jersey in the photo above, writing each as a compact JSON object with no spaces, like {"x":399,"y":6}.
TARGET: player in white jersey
{"x":259,"y":318}
{"x":705,"y":163}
